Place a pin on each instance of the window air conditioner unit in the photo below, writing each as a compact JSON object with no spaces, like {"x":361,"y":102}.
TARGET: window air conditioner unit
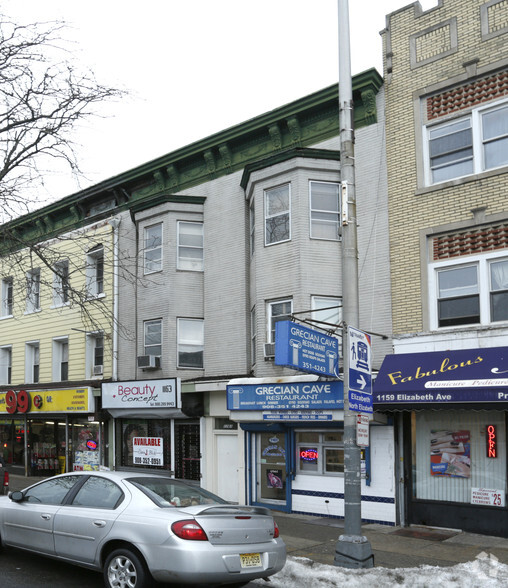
{"x":269,"y":351}
{"x":98,"y":370}
{"x":149,"y":362}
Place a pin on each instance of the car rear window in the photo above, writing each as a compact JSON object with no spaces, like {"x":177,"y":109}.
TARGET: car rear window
{"x":172,"y":493}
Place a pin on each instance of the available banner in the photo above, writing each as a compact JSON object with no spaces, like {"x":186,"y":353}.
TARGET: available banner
{"x":450,"y":454}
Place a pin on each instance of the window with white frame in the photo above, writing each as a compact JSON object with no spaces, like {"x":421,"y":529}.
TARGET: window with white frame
{"x":328,"y":312}
{"x":472,"y":292}
{"x":191,"y":343}
{"x":7,"y":297}
{"x":95,"y":354}
{"x":190,"y":246}
{"x":6,"y":365}
{"x":95,"y":272}
{"x":320,"y":453}
{"x":468,"y":145}
{"x":324,"y":210}
{"x":152,"y":251}
{"x":61,"y":283}
{"x":277,"y":310}
{"x":32,"y":366}
{"x":153,"y":337}
{"x":60,"y":359}
{"x":33,"y":290}
{"x":253,"y":339}
{"x":277,"y":215}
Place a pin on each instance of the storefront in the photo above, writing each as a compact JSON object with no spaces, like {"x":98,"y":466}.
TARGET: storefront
{"x":156,"y":427}
{"x":47,"y":432}
{"x":295,"y":448}
{"x":451,"y":408}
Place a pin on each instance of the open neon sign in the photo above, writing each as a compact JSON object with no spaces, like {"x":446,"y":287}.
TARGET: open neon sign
{"x":309,"y":454}
{"x":491,"y":441}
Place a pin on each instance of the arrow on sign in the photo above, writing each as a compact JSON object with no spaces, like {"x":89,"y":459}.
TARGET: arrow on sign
{"x":362,"y":381}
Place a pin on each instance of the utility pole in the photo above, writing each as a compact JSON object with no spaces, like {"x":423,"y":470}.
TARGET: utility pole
{"x":352,"y":549}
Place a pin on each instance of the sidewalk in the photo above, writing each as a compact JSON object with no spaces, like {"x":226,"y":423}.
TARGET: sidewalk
{"x":315,"y":538}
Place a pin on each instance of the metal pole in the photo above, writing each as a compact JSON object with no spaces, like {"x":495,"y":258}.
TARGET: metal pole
{"x":352,"y":549}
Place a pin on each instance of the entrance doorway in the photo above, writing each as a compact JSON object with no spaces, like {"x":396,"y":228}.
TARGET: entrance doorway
{"x":271,"y":485}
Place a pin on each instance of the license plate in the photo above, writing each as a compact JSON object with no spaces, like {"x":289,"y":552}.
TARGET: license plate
{"x":250,"y":560}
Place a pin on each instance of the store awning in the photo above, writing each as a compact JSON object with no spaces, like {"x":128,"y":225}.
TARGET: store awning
{"x":443,"y":377}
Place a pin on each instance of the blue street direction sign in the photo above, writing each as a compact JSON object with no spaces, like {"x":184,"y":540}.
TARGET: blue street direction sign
{"x":360,"y":371}
{"x":306,"y":350}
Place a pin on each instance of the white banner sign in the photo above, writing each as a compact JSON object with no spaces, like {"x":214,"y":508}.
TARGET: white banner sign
{"x":487,"y":497}
{"x":142,"y":394}
{"x":148,"y":451}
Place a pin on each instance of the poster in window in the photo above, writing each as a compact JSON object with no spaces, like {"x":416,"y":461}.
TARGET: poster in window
{"x":274,"y":479}
{"x":450,"y":453}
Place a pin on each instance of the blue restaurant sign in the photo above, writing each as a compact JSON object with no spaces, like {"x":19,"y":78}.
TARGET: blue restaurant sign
{"x":464,"y":375}
{"x":286,"y":396}
{"x":305,"y":349}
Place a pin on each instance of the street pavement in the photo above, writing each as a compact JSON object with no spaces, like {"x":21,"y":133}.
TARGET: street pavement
{"x":315,"y":538}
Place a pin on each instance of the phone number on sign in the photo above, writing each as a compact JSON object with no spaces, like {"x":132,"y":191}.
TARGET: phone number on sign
{"x":155,"y":461}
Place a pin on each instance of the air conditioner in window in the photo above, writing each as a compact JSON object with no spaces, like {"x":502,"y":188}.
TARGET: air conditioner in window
{"x":98,"y":370}
{"x":269,"y":351}
{"x":149,"y":362}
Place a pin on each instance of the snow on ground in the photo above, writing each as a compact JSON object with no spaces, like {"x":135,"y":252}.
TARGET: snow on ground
{"x":484,"y":572}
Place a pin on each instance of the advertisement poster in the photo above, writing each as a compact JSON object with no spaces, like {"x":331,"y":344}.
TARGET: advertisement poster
{"x":274,"y":479}
{"x":450,"y":454}
{"x":148,"y":451}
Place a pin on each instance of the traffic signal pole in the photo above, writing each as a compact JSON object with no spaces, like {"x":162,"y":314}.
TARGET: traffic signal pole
{"x":352,"y":549}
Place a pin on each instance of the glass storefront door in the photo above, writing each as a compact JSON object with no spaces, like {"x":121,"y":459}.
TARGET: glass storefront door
{"x":271,"y":468}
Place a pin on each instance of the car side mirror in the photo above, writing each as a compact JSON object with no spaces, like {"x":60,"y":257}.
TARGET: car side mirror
{"x":16,"y":496}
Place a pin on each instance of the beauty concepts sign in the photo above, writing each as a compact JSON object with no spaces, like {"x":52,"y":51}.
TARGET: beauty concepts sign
{"x":142,"y":394}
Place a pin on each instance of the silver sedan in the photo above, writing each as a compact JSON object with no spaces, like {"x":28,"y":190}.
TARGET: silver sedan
{"x":135,"y":527}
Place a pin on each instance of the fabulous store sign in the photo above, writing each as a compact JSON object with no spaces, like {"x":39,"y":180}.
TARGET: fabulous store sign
{"x":465,"y":375}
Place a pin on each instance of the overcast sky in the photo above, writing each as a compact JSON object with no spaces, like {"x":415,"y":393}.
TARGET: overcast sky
{"x":196,"y":67}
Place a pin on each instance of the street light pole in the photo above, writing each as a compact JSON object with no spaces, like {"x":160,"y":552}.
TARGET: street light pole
{"x":352,"y":549}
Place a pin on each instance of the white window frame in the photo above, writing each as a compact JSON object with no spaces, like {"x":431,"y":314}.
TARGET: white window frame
{"x":32,"y":362}
{"x":150,"y":348}
{"x":252,"y":227}
{"x":95,"y":273}
{"x":478,"y":157}
{"x":482,"y":262}
{"x":193,"y":264}
{"x":321,"y":446}
{"x":33,"y":290}
{"x":153,"y":250}
{"x":328,"y":217}
{"x":60,"y":358}
{"x":269,"y":217}
{"x":92,"y":339}
{"x":270,"y":322}
{"x":6,"y":365}
{"x":7,"y":308}
{"x":186,"y":341}
{"x":61,"y":283}
{"x":253,"y":335}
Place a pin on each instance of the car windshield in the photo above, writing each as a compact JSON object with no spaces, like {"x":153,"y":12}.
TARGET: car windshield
{"x":172,"y":493}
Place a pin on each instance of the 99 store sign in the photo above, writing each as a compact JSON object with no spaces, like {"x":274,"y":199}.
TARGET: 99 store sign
{"x":21,"y":402}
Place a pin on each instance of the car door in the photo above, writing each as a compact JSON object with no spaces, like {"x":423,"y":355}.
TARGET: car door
{"x":81,"y":526}
{"x":28,"y":523}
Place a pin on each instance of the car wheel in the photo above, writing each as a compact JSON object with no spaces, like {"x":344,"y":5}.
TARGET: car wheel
{"x":125,"y":569}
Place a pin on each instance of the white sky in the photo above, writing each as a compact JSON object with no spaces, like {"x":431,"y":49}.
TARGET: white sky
{"x":196,"y":67}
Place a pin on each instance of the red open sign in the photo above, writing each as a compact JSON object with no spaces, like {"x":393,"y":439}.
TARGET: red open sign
{"x":309,"y":454}
{"x":491,"y":441}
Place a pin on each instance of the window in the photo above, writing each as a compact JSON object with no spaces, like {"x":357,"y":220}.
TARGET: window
{"x":60,"y":360}
{"x":252,"y":226}
{"x":190,"y":246}
{"x":277,"y":215}
{"x":190,"y":343}
{"x":95,"y":272}
{"x":329,"y":311}
{"x":475,"y":292}
{"x":253,"y":330}
{"x":7,"y":297}
{"x":32,"y":363}
{"x":280,"y":310}
{"x":51,"y":491}
{"x":153,"y":337}
{"x":61,"y":283}
{"x":98,"y":493}
{"x":320,"y":453}
{"x":324,"y":210}
{"x":468,"y":145}
{"x":6,"y":365}
{"x":33,"y":286}
{"x":95,"y":354}
{"x":152,"y":252}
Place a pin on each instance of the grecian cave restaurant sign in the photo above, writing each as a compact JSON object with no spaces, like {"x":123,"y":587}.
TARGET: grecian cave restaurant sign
{"x":459,"y":376}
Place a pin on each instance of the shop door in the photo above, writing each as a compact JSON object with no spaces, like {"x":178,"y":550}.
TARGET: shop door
{"x":227,"y":467}
{"x":187,"y":451}
{"x":272,"y":485}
